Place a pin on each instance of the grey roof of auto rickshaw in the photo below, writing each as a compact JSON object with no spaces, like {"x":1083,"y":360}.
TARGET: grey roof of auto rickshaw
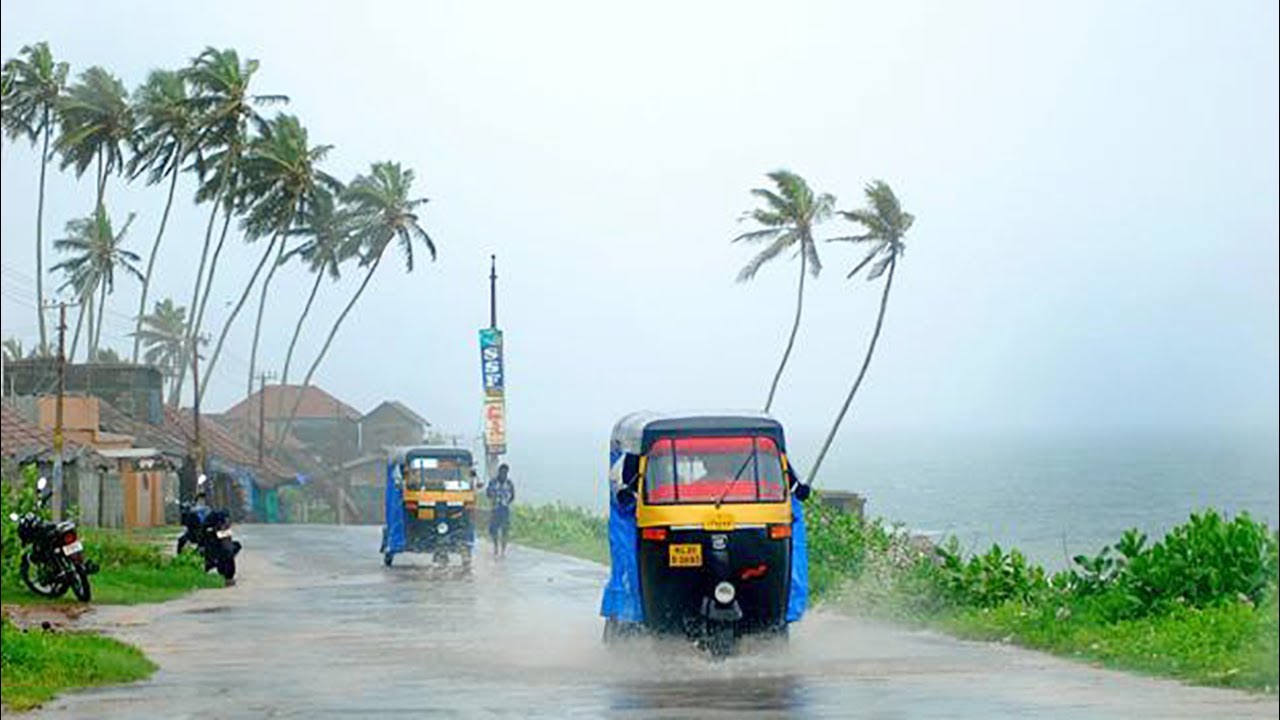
{"x":629,"y":432}
{"x":401,"y":452}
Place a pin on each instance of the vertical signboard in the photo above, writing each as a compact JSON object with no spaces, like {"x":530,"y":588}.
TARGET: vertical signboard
{"x":495,"y":411}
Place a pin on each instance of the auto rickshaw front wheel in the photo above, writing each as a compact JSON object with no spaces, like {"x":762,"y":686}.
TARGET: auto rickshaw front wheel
{"x":387,"y":558}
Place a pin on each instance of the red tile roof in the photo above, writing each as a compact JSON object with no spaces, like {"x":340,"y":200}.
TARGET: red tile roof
{"x":280,"y":399}
{"x":219,"y":443}
{"x":20,"y":437}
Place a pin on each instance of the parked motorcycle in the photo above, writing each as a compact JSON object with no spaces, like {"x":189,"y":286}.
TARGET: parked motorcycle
{"x":209,"y":531}
{"x":54,"y":560}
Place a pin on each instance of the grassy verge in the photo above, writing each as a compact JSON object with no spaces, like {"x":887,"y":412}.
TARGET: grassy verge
{"x":36,"y":664}
{"x":1199,"y":605}
{"x":133,"y":570}
{"x":563,"y":529}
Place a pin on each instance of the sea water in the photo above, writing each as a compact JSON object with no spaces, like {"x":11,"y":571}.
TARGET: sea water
{"x":1050,"y":495}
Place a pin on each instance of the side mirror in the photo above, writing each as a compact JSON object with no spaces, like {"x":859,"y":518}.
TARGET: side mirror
{"x":200,"y":481}
{"x":42,"y":483}
{"x":13,"y":517}
{"x":801,"y":492}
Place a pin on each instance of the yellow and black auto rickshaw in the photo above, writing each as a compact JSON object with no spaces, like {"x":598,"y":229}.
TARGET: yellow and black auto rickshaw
{"x":430,"y":504}
{"x":706,"y":529}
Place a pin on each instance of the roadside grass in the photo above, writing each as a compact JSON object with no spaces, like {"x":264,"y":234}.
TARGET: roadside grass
{"x":132,"y":570}
{"x":1233,"y":645}
{"x":36,"y":664}
{"x":561,"y":528}
{"x":1199,"y":605}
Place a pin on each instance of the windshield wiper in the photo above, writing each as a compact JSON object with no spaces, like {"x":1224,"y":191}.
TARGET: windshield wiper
{"x":737,"y":476}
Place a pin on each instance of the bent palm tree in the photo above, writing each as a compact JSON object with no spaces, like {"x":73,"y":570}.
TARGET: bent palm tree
{"x":328,"y":245}
{"x":166,"y":128}
{"x":32,"y":85}
{"x":885,"y":224}
{"x":280,"y":181}
{"x":226,"y":109}
{"x":381,"y":213}
{"x":97,"y":123}
{"x":96,"y":255}
{"x":788,"y":219}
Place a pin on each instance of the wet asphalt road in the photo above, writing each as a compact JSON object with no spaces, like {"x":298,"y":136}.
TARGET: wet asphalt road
{"x":318,"y":628}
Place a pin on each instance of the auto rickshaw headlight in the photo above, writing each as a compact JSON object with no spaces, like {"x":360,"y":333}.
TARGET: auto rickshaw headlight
{"x":442,"y":528}
{"x":725,"y":593}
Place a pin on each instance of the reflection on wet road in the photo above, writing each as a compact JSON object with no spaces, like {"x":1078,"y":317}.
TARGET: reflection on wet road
{"x":318,"y":627}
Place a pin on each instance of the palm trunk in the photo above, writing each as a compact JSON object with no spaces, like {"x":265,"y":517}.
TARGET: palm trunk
{"x":306,"y":309}
{"x":262,"y":305}
{"x":193,"y":328}
{"x":213,"y":270}
{"x":866,"y":362}
{"x":324,"y":349}
{"x":791,"y":341}
{"x":75,"y":339}
{"x":102,"y":315}
{"x":226,"y":327}
{"x":197,"y":318}
{"x":44,"y":164}
{"x":151,"y":263}
{"x":89,"y":328}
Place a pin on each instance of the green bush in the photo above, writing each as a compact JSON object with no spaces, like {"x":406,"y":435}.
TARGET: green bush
{"x":1207,"y":561}
{"x":19,"y":500}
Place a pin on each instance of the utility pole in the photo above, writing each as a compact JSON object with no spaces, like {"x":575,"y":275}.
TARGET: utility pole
{"x":62,"y":389}
{"x":263,"y":377}
{"x":493,"y":291}
{"x":197,"y":451}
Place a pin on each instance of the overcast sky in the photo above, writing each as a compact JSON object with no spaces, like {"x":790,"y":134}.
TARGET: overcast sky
{"x":1095,"y":187}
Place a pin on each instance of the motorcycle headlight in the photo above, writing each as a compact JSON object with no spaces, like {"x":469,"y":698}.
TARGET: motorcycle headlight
{"x":442,"y":528}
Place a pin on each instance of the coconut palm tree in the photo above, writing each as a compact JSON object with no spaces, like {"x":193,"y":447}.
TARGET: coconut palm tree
{"x":33,"y":82}
{"x":96,"y":254}
{"x":165,"y":133}
{"x":790,"y":213}
{"x":163,"y":336}
{"x":97,"y":125}
{"x":219,"y":81}
{"x":13,"y":349}
{"x":382,"y":213}
{"x":884,"y":224}
{"x":280,"y":181}
{"x":327,"y":245}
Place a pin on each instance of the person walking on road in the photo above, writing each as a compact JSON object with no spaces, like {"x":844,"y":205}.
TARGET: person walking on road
{"x":501,"y":493}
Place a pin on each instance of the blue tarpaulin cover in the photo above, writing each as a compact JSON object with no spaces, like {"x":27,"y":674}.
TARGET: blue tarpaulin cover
{"x":798,"y":600}
{"x":622,"y":594}
{"x":393,"y":538}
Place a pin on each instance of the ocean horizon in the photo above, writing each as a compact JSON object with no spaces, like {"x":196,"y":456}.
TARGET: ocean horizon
{"x":1052,"y":495}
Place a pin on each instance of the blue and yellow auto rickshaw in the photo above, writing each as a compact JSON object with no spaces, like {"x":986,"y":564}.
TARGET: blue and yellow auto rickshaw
{"x":706,"y":529}
{"x":430,"y":504}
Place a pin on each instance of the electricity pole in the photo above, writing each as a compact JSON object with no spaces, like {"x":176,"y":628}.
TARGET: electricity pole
{"x":62,"y":389}
{"x":263,"y":377}
{"x":493,"y":291}
{"x":197,"y":450}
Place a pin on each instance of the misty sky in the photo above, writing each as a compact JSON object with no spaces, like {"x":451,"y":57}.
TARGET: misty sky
{"x":1095,"y":186}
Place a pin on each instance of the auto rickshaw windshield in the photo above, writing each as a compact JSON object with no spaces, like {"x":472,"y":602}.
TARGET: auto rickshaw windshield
{"x":714,"y":469}
{"x":425,"y":473}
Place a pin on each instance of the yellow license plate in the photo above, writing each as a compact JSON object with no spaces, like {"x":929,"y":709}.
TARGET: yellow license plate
{"x":718,"y":522}
{"x":684,"y":555}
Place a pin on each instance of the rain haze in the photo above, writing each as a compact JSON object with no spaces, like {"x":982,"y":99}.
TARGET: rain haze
{"x":1095,"y":187}
{"x":1082,"y":338}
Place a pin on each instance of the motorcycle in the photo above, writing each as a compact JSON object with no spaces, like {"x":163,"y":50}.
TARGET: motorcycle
{"x":209,"y":531}
{"x":54,"y":562}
